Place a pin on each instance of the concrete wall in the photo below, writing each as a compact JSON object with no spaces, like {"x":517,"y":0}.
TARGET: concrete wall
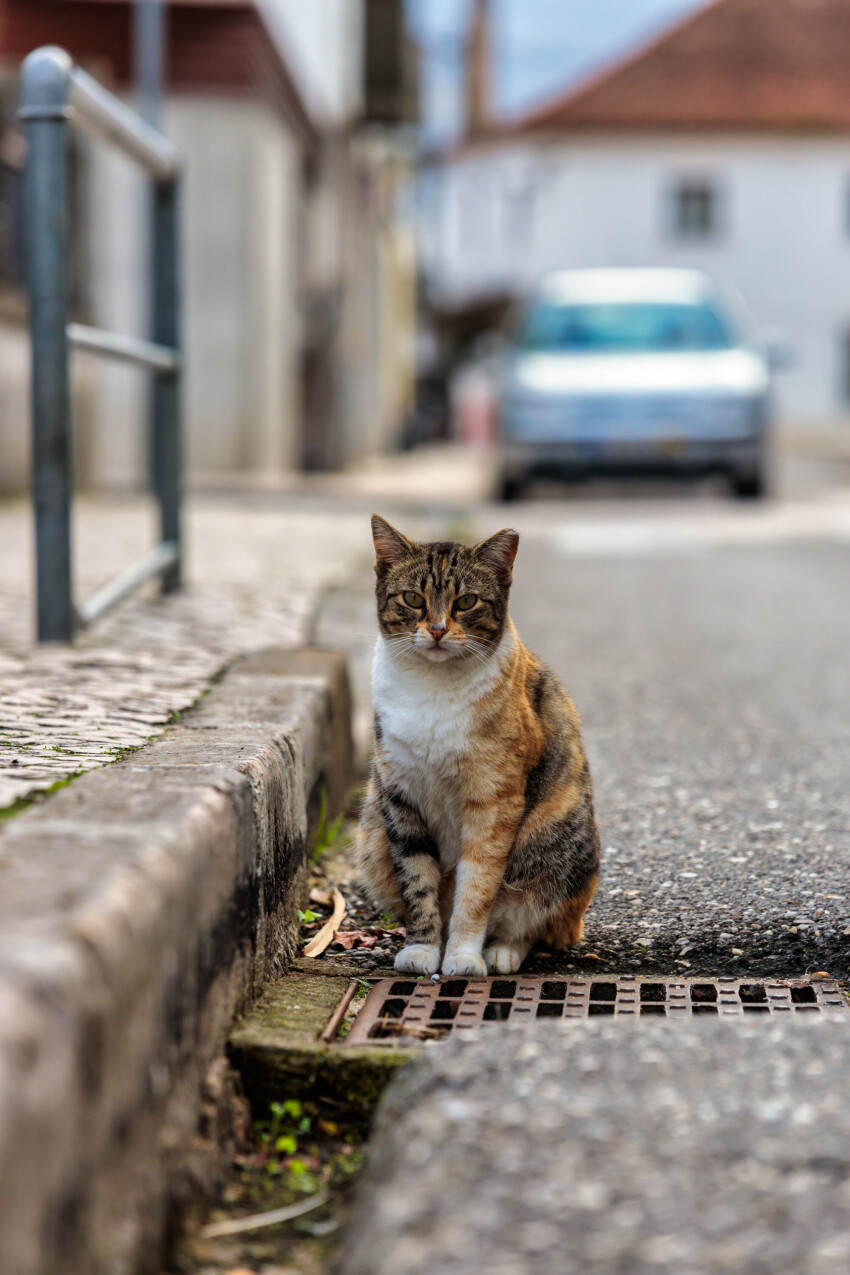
{"x":397,"y":325}
{"x":322,"y":42}
{"x":14,"y":405}
{"x":241,"y":320}
{"x":502,"y":217}
{"x":15,"y":436}
{"x":360,"y":271}
{"x":280,"y":274}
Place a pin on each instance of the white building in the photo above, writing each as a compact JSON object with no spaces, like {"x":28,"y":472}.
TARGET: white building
{"x":298,"y":275}
{"x":724,"y":144}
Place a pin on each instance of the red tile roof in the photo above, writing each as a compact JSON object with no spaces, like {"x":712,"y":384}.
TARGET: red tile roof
{"x":736,"y":64}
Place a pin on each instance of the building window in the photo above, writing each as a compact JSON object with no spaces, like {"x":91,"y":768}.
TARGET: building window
{"x":695,"y":210}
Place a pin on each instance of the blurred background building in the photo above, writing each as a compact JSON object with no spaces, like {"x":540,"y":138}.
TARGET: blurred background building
{"x":298,"y":247}
{"x":722,"y":142}
{"x":373,"y":184}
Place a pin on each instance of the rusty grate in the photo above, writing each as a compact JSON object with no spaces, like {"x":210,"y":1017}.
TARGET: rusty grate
{"x":399,"y":1009}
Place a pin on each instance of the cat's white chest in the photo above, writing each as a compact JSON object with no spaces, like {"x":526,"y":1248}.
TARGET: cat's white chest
{"x":430,"y":721}
{"x":426,"y":717}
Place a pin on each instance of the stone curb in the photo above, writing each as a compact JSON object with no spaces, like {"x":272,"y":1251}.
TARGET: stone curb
{"x":141,"y":909}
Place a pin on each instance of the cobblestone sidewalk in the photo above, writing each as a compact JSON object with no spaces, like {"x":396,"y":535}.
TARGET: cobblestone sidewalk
{"x":255,"y":570}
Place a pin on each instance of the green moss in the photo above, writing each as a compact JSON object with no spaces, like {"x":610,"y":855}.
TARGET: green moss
{"x":34,"y":798}
{"x":277,"y":1049}
{"x":352,"y":1076}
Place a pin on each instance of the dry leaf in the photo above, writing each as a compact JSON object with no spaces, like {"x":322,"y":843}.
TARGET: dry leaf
{"x":366,"y":938}
{"x":351,"y":938}
{"x":325,"y":936}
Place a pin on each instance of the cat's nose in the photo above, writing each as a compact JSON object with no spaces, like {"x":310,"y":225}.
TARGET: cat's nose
{"x":437,"y":631}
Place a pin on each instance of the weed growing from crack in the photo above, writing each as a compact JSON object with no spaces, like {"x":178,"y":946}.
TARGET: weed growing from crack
{"x":326,"y":834}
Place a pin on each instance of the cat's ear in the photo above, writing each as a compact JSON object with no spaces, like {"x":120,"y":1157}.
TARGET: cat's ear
{"x":390,"y":545}
{"x":498,"y":553}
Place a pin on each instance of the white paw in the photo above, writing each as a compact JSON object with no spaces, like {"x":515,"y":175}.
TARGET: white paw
{"x":464,"y":963}
{"x":504,"y":958}
{"x":418,"y":958}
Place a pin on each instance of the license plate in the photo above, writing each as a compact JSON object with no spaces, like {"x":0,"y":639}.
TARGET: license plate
{"x":670,"y":448}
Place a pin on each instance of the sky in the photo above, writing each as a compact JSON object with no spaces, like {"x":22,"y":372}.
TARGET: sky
{"x":540,"y":48}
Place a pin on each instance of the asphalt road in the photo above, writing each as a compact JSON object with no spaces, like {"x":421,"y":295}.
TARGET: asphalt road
{"x":707,"y":647}
{"x":714,"y":687}
{"x":708,"y":650}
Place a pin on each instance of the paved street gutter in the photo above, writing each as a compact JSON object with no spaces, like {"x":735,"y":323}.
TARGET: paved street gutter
{"x":140,"y":909}
{"x":714,"y":693}
{"x":715,"y":700}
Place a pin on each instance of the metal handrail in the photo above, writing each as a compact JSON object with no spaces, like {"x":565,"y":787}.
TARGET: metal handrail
{"x":128,"y":349}
{"x":56,"y":94}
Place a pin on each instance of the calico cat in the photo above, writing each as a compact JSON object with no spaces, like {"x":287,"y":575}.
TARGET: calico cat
{"x":479,"y":809}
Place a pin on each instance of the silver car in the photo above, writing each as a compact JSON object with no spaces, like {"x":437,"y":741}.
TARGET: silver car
{"x":634,"y":372}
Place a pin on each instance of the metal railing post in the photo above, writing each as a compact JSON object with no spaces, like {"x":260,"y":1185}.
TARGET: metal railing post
{"x":55,"y":93}
{"x":44,"y":112}
{"x":165,"y":391}
{"x":148,"y":58}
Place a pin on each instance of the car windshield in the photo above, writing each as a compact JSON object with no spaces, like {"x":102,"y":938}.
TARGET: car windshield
{"x":623,"y":327}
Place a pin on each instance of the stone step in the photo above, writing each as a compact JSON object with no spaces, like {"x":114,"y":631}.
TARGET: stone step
{"x":279,"y":1051}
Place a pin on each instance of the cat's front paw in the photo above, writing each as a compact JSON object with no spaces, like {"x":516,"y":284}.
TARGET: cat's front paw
{"x":463,"y":963}
{"x":418,"y":958}
{"x":504,"y":958}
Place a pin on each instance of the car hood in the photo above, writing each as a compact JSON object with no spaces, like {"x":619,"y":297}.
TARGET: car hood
{"x":736,"y":372}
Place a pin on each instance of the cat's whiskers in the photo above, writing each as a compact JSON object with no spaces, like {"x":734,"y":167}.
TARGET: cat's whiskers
{"x":398,"y":644}
{"x":376,"y":633}
{"x":476,"y":654}
{"x":478,"y":648}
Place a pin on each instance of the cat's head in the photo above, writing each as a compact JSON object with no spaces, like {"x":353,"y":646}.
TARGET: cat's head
{"x":442,"y":601}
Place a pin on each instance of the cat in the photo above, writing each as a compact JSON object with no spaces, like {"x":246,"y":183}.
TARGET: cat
{"x":479,"y":807}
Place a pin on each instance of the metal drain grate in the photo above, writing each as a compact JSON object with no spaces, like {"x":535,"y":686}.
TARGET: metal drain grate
{"x":405,"y":1009}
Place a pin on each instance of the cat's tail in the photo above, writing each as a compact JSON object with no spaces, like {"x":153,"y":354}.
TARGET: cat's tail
{"x":566,"y":927}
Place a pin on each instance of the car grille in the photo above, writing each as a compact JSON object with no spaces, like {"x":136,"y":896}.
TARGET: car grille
{"x":623,"y":418}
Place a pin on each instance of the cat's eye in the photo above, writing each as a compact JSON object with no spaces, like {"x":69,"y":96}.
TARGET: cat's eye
{"x":414,"y":600}
{"x":466,"y":602}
